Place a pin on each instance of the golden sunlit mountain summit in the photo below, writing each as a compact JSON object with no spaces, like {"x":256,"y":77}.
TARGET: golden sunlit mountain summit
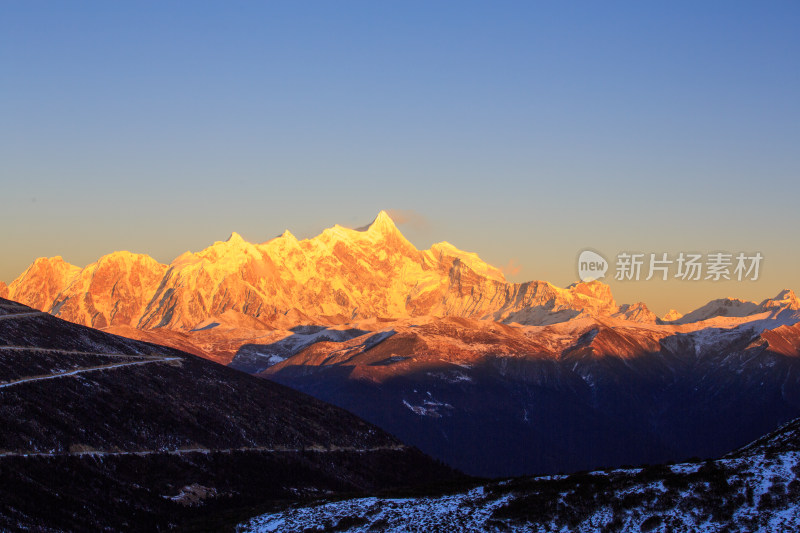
{"x":341,"y":275}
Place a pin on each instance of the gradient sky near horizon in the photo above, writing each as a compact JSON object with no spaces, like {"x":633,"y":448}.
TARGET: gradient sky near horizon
{"x":523,"y":131}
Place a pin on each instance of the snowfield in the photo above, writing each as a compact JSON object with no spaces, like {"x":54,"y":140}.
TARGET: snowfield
{"x":461,"y":512}
{"x":754,"y":493}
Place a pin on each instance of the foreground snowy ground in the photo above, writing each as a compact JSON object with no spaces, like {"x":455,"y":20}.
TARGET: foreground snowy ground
{"x":758,"y":492}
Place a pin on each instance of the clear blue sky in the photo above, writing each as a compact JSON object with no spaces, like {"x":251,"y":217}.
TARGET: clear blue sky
{"x":521,"y":130}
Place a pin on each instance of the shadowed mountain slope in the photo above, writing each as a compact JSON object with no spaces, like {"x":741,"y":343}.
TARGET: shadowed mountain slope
{"x":494,"y":399}
{"x":102,"y":431}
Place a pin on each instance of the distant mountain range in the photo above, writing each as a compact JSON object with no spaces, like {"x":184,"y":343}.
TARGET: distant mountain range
{"x":493,"y":399}
{"x":212,"y":302}
{"x":435,"y":346}
{"x":337,"y":277}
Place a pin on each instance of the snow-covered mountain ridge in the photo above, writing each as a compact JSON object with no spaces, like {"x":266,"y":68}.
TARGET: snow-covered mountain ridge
{"x":234,"y":293}
{"x":338,"y":276}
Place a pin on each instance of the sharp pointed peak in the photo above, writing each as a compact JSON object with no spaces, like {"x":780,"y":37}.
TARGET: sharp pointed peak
{"x":285,"y":237}
{"x":383,"y":216}
{"x":235,"y":244}
{"x":786,"y":294}
{"x":235,"y":237}
{"x":382,"y":223}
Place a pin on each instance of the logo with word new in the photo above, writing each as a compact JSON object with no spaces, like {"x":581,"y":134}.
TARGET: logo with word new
{"x":591,"y":266}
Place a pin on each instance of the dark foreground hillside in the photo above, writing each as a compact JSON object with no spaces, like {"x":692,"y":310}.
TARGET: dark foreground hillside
{"x":756,"y":488}
{"x":102,"y":432}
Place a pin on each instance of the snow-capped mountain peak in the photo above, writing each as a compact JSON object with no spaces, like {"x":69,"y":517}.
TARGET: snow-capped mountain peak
{"x":288,"y":235}
{"x":383,"y":224}
{"x":235,"y":238}
{"x":786,"y":299}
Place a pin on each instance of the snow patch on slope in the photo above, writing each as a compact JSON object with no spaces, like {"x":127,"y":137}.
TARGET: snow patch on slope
{"x":755,"y":493}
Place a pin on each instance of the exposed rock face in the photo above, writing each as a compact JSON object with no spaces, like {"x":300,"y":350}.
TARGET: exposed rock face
{"x":112,"y":291}
{"x":42,"y":282}
{"x":340,"y":275}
